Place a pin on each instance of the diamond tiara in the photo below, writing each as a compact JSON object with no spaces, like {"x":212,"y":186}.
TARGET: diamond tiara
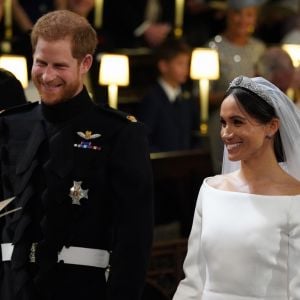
{"x":250,"y":85}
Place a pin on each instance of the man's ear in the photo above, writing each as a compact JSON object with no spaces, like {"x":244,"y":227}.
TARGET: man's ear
{"x":86,"y":63}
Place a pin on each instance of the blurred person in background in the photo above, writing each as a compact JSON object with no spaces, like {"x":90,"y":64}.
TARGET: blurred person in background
{"x":276,"y":66}
{"x":168,"y":108}
{"x":11,"y":91}
{"x":139,"y":23}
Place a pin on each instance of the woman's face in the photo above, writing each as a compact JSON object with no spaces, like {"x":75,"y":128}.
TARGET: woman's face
{"x":242,"y":22}
{"x":244,"y":137}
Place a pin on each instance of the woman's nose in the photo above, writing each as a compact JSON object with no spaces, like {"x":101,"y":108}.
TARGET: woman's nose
{"x":226,"y":132}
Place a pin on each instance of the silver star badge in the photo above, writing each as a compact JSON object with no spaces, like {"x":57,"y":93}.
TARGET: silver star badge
{"x":77,"y":193}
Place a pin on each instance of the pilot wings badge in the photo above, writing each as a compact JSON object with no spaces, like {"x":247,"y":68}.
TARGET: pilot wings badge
{"x":87,"y":144}
{"x":88,"y":135}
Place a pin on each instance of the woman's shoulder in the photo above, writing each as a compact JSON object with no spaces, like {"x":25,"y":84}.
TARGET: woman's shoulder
{"x":291,"y":186}
{"x":221,"y":182}
{"x":231,"y":182}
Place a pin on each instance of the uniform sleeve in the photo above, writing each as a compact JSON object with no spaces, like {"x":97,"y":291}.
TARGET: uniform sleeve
{"x":131,"y":179}
{"x":294,"y":251}
{"x":191,"y":287}
{"x":1,"y":145}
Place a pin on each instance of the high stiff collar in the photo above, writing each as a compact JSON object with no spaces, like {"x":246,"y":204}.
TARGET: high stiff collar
{"x":69,"y":109}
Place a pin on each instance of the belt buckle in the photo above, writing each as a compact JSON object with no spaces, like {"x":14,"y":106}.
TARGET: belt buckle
{"x":32,"y":257}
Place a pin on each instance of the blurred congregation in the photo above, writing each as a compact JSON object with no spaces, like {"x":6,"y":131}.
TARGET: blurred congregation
{"x":159,"y":39}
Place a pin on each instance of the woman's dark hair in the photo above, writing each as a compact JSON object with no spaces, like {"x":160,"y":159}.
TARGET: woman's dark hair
{"x":259,"y":109}
{"x":12,"y":92}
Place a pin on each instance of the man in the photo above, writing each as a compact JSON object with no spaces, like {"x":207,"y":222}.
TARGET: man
{"x":168,"y":109}
{"x":276,"y":65}
{"x":79,"y":224}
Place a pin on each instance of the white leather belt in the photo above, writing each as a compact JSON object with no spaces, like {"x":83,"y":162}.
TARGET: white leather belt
{"x":72,"y":255}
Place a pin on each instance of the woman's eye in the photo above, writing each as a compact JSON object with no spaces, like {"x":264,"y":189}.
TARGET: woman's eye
{"x":237,"y":122}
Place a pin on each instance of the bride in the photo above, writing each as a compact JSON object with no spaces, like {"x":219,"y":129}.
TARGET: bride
{"x":245,"y":239}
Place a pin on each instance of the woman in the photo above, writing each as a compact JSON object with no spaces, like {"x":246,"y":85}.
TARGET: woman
{"x":245,"y":239}
{"x":239,"y":52}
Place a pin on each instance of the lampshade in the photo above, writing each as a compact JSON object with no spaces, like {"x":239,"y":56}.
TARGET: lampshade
{"x":17,"y":65}
{"x":294,"y":51}
{"x":204,"y":64}
{"x":114,"y":69}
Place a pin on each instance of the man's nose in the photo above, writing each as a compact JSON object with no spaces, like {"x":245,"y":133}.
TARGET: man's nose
{"x":48,"y":74}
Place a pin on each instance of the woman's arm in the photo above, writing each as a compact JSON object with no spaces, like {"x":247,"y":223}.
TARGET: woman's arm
{"x":191,"y":287}
{"x":294,"y":251}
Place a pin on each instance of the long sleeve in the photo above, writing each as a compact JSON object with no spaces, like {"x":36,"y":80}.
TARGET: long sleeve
{"x":294,"y":251}
{"x":191,"y":287}
{"x":132,"y":193}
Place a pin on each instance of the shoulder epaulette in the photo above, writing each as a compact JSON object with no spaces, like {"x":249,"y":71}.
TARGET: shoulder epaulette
{"x":18,"y":108}
{"x":117,"y":112}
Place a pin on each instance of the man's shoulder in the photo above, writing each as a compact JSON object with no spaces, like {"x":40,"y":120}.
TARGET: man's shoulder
{"x":115,"y":115}
{"x":20,"y":109}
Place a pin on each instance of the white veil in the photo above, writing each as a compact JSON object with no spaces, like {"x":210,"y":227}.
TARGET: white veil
{"x":288,"y":114}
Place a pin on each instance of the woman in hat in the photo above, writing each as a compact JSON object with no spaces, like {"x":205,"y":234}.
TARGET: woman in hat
{"x":245,"y":239}
{"x":239,"y":52}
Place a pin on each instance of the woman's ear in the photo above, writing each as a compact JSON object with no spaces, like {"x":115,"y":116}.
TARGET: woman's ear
{"x":273,"y":127}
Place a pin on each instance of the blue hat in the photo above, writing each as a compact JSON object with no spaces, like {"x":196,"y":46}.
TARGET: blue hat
{"x":239,"y":4}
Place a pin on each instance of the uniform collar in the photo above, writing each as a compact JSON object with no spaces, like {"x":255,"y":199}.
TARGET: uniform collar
{"x":68,"y":109}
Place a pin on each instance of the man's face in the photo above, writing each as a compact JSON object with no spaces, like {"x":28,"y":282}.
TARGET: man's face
{"x":57,"y":75}
{"x":176,"y":70}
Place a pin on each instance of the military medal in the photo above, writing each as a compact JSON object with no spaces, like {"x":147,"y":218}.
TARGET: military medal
{"x":88,"y":136}
{"x":87,"y":145}
{"x":77,"y":193}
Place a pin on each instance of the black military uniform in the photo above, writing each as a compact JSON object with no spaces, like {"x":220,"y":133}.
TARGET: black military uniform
{"x":81,"y":175}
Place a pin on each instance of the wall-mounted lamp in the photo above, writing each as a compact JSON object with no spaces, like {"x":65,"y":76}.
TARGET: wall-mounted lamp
{"x":114,"y":72}
{"x":98,"y":15}
{"x":8,"y":32}
{"x":179,"y":13}
{"x":17,"y":65}
{"x":204,"y":67}
{"x":294,"y":51}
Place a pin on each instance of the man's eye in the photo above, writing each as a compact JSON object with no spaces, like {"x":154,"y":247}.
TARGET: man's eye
{"x":39,"y":63}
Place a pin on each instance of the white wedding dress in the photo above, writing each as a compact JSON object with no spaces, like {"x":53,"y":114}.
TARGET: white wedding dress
{"x":242,"y":247}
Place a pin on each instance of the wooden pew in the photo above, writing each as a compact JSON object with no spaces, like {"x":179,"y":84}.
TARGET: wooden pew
{"x":177,"y":178}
